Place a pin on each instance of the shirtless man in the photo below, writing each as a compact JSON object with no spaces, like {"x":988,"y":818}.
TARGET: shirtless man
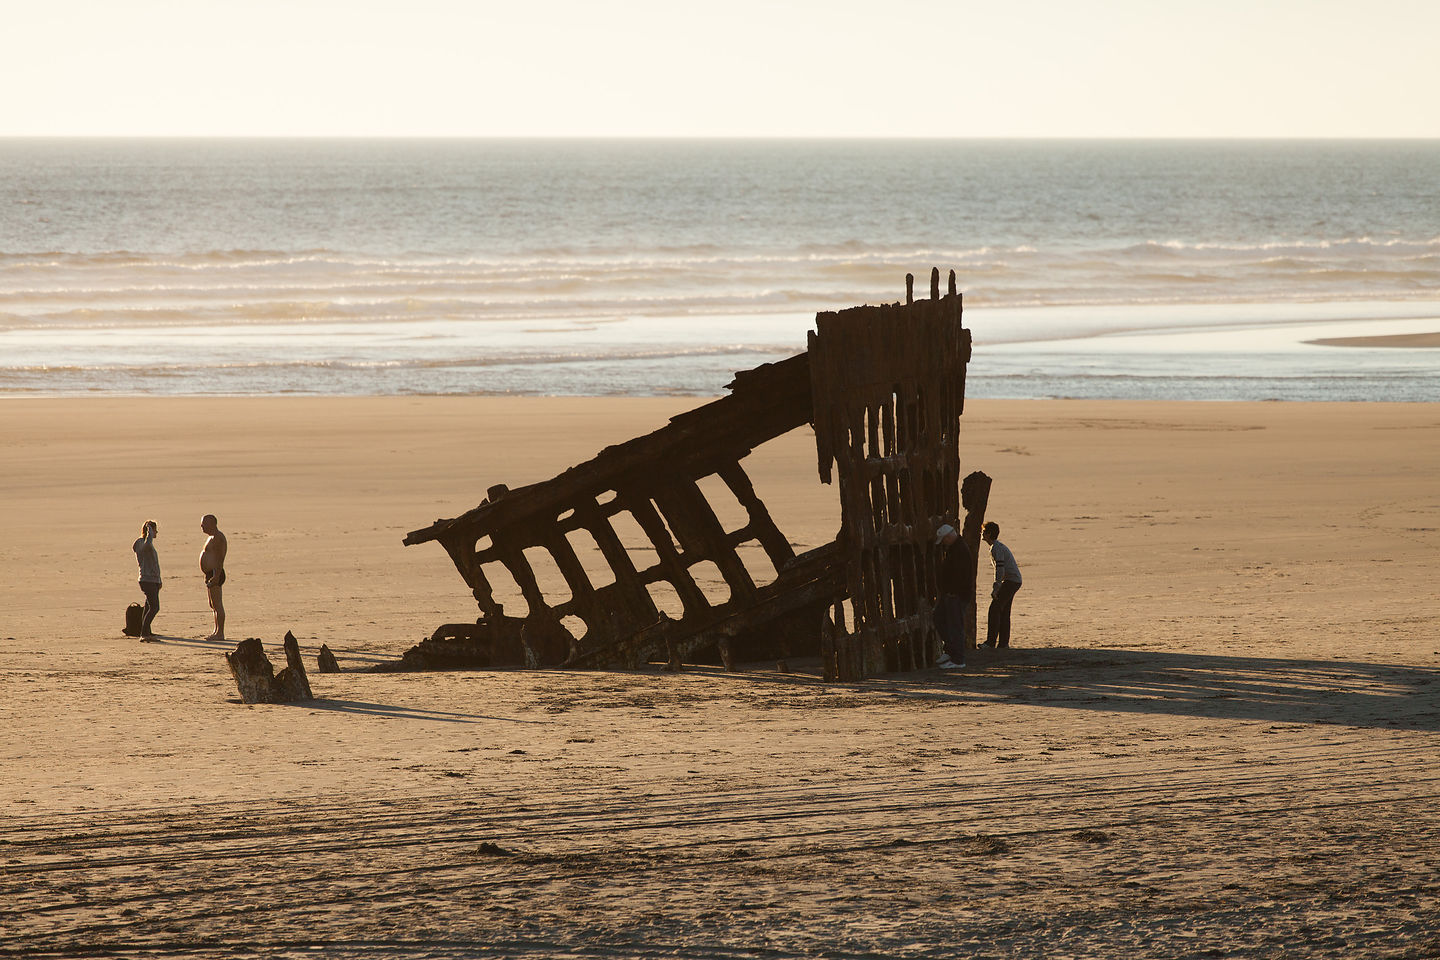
{"x":212,"y":564}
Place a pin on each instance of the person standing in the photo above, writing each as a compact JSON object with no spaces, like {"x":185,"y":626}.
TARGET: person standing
{"x":149,"y":560}
{"x":956,"y":586}
{"x":1002,"y":592}
{"x":212,"y":564}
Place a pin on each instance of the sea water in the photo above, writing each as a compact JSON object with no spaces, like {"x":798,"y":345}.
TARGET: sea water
{"x":1175,"y":269}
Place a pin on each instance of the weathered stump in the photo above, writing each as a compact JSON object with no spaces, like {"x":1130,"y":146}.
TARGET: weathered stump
{"x":292,"y":684}
{"x":326,"y":661}
{"x":256,"y":678}
{"x":252,"y":670}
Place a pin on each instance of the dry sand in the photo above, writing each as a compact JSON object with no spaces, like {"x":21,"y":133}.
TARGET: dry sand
{"x":1218,"y":736}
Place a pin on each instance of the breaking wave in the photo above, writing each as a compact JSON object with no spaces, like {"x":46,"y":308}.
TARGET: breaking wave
{"x":248,"y":286}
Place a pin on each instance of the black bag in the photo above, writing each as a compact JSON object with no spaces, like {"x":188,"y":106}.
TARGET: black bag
{"x":134,"y":617}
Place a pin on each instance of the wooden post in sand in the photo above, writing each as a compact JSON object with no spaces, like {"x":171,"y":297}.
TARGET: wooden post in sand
{"x":252,"y":670}
{"x":256,"y":678}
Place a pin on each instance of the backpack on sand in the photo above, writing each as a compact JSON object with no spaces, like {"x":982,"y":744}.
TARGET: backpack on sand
{"x":134,"y":617}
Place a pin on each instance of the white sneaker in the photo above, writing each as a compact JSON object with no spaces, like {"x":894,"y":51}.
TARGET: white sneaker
{"x":952,"y":665}
{"x":944,"y":660}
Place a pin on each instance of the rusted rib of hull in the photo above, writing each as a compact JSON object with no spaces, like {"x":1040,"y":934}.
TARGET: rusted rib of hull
{"x":653,"y":481}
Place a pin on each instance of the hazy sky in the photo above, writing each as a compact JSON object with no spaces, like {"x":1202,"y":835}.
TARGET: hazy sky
{"x":1026,"y":68}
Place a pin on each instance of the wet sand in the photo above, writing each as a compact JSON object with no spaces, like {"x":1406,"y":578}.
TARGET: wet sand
{"x":1216,"y":736}
{"x":1394,"y":340}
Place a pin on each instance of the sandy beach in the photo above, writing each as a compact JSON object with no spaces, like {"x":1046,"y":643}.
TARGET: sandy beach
{"x":1216,"y":735}
{"x":1399,"y":340}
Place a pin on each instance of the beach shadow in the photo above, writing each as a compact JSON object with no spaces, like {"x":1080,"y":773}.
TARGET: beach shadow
{"x":1217,"y":686}
{"x":345,"y":657}
{"x":1344,"y":692}
{"x":308,"y":651}
{"x":392,"y":712}
{"x":192,"y":642}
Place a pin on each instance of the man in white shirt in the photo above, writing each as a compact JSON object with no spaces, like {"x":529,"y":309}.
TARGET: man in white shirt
{"x":1002,"y":593}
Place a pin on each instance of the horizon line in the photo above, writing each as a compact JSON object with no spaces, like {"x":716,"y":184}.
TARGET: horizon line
{"x":715,"y":137}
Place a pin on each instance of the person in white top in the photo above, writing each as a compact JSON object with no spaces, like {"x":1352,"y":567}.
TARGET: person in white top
{"x":1002,"y":592}
{"x":149,"y":560}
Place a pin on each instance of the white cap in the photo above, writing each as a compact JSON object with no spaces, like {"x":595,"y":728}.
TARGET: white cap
{"x":944,"y":531}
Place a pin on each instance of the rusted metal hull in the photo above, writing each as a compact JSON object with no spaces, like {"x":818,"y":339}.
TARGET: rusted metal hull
{"x":883,"y":387}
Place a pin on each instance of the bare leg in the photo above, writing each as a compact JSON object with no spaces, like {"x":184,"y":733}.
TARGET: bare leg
{"x":217,"y":603}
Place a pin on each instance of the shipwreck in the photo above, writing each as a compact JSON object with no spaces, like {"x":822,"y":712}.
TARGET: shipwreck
{"x":883,"y":388}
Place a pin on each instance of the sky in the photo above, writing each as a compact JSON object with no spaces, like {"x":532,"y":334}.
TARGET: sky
{"x":738,"y":68}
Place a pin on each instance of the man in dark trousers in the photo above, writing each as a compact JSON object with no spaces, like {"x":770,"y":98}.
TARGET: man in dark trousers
{"x":1002,"y":593}
{"x":956,"y":587}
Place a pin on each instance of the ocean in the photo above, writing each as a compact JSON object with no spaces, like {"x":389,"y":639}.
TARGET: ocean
{"x":1194,"y":270}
